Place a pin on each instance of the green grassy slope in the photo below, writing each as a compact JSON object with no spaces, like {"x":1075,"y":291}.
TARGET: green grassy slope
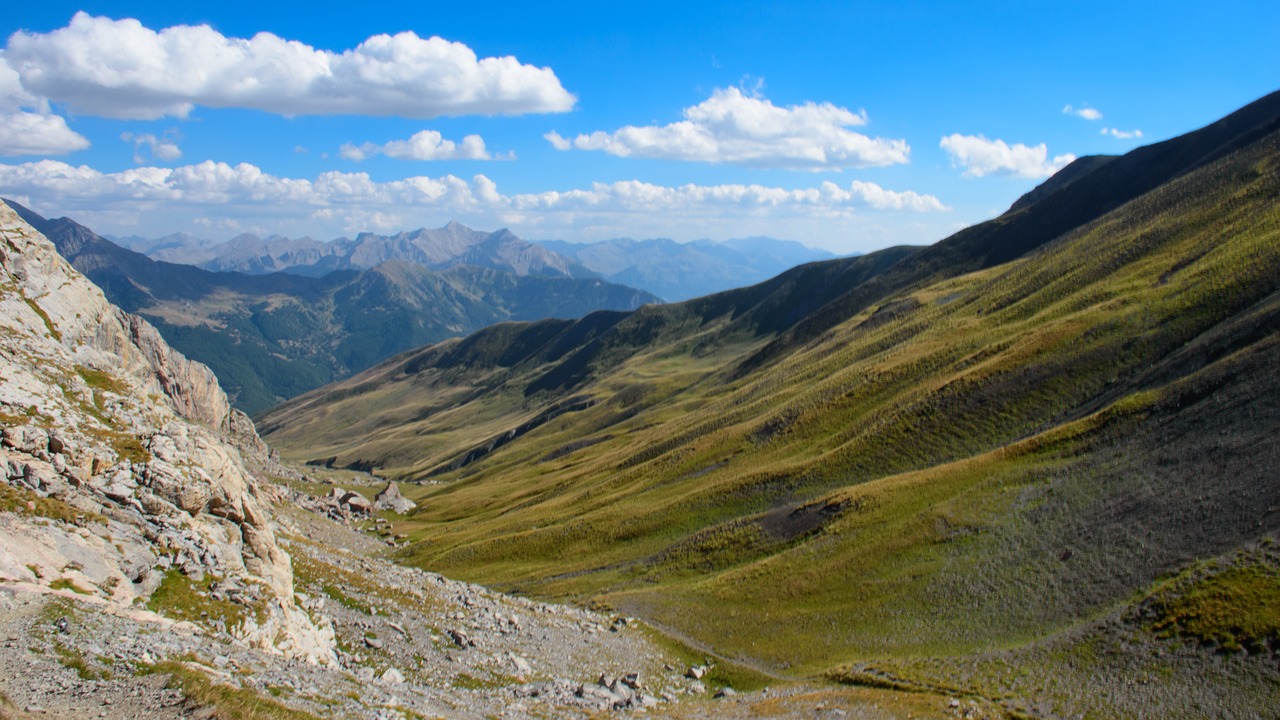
{"x":961,"y":464}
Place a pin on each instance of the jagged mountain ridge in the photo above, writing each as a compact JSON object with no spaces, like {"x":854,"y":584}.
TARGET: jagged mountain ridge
{"x":435,"y":248}
{"x":670,"y":270}
{"x":924,"y":453}
{"x":101,"y":418}
{"x":273,"y":336}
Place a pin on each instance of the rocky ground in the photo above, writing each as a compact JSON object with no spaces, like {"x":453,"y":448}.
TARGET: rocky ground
{"x":412,"y":644}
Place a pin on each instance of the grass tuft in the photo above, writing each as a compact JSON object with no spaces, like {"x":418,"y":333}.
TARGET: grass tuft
{"x":1236,"y":609}
{"x":224,"y":701}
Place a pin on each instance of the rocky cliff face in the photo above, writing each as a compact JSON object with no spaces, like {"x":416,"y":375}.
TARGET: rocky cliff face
{"x":121,"y":462}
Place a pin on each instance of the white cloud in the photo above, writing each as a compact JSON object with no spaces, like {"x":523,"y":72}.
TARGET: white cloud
{"x":731,"y":127}
{"x":636,"y":196}
{"x":1122,"y":134}
{"x":423,"y":145}
{"x":557,"y":141}
{"x":13,"y":96}
{"x":1085,"y":112}
{"x":121,"y":69}
{"x":160,"y":148}
{"x":27,"y":133}
{"x":222,"y":193}
{"x":980,"y":156}
{"x":31,"y":133}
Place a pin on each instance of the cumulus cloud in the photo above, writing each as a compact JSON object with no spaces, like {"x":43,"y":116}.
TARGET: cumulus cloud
{"x":1119,"y":134}
{"x":1085,"y":112}
{"x":980,"y":157}
{"x":23,"y":132}
{"x":557,"y":141}
{"x":27,"y":133}
{"x":731,"y":127}
{"x":244,"y":193}
{"x":13,"y":96}
{"x":423,"y":145}
{"x":121,"y":69}
{"x":160,"y":148}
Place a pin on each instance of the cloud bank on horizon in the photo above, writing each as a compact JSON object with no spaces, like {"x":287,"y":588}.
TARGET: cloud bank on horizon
{"x":355,"y":202}
{"x":584,"y":145}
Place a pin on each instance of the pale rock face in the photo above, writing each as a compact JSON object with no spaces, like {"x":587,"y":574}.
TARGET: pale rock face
{"x":97,"y":411}
{"x":391,"y":499}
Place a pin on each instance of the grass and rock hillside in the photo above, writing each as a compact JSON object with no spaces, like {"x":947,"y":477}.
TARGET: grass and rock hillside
{"x":1033,"y":464}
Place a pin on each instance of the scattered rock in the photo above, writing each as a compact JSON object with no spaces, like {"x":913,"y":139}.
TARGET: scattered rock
{"x":357,"y":503}
{"x":461,"y":639}
{"x":522,"y":666}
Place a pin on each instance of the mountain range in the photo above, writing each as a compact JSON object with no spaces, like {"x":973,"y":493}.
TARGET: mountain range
{"x":272,"y":336}
{"x":436,"y":249}
{"x":680,"y":271}
{"x":1033,"y":464}
{"x":668,"y":269}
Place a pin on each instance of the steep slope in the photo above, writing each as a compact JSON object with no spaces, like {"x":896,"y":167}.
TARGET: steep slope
{"x":972,"y":447}
{"x":679,"y":271}
{"x":118,"y":478}
{"x":270,"y":337}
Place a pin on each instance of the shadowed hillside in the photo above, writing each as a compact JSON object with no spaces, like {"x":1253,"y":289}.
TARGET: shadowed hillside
{"x":1030,"y":435}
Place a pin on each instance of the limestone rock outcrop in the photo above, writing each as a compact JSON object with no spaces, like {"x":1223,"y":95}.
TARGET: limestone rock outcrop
{"x":389,"y":498}
{"x":120,"y":459}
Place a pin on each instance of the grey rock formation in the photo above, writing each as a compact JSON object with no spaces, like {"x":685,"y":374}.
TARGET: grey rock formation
{"x":101,"y":416}
{"x":389,"y":498}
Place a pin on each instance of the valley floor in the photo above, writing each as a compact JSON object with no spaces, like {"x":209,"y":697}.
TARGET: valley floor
{"x":412,"y":645}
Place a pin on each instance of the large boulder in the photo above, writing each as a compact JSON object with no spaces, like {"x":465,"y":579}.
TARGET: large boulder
{"x":389,"y":498}
{"x":357,"y":503}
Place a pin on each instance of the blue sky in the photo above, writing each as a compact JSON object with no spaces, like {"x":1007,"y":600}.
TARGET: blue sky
{"x":848,"y":126}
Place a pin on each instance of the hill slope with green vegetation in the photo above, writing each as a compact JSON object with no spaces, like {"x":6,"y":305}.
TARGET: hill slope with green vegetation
{"x":269,"y":337}
{"x":1045,"y":446}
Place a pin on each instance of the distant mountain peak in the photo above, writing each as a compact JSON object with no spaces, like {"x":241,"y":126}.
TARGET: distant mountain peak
{"x":678,"y":271}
